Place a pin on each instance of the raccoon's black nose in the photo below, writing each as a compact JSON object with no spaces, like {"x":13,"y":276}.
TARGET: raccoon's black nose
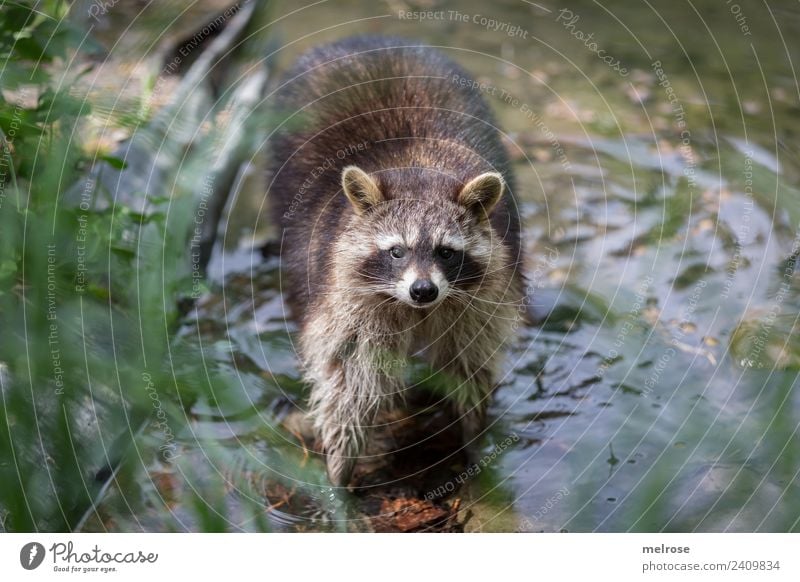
{"x":423,"y":291}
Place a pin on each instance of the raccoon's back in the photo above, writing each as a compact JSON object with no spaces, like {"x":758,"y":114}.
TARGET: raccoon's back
{"x":379,"y":102}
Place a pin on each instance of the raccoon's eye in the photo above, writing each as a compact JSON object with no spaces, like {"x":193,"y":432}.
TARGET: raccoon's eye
{"x":445,"y":253}
{"x":397,"y":252}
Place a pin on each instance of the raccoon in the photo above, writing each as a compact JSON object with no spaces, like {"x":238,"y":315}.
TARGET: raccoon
{"x":400,"y":233}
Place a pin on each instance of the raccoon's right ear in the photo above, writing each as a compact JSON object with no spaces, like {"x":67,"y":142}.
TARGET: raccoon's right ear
{"x":482,"y":193}
{"x":361,"y":189}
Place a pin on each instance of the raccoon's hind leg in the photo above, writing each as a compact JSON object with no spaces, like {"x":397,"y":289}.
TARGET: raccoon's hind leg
{"x":469,"y":401}
{"x":470,"y":381}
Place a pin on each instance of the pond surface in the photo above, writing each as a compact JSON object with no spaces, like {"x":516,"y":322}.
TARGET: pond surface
{"x":657,"y":390}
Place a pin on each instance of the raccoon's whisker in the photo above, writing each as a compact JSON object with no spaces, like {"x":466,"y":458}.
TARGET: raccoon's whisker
{"x":467,"y":300}
{"x":385,"y":301}
{"x":489,"y":301}
{"x":358,"y":292}
{"x":368,"y":289}
{"x":365,"y":289}
{"x":492,"y":315}
{"x":351,"y":293}
{"x":368,"y":276}
{"x":463,"y":299}
{"x":473,"y":307}
{"x":499,"y":268}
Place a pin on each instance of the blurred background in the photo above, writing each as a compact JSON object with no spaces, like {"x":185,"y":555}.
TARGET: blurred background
{"x":147,"y":370}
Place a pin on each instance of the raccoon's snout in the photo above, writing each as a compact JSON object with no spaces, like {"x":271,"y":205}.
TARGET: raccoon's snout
{"x":423,"y":291}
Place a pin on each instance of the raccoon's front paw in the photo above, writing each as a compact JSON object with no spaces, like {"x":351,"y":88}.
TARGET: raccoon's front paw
{"x":340,"y":468}
{"x":341,"y":451}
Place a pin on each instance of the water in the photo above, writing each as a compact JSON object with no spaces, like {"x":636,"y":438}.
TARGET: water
{"x":662,"y":222}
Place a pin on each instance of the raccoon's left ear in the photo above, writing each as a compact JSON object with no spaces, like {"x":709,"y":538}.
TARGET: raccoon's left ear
{"x":361,"y":189}
{"x":482,"y":193}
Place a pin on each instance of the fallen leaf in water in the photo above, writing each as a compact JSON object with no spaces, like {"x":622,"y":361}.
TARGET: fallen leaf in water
{"x":413,"y":515}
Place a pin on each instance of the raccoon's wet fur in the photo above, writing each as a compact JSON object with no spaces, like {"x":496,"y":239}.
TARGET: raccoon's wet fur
{"x":400,"y":233}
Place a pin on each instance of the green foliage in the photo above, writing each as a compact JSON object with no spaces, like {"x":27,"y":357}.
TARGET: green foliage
{"x":95,"y":381}
{"x":84,"y":305}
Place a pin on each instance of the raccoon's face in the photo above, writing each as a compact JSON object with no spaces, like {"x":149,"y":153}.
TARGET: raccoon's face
{"x":422,"y":252}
